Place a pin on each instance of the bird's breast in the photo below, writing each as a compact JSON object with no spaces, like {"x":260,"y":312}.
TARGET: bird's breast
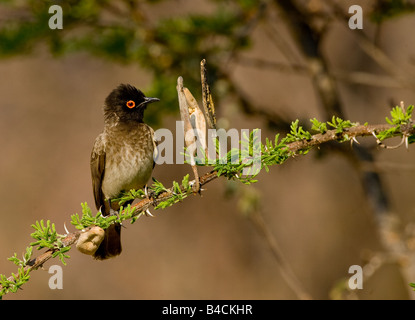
{"x":129,"y":160}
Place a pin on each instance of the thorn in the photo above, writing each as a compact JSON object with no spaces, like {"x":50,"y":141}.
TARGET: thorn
{"x":352,"y":140}
{"x":407,"y":143}
{"x":404,"y":140}
{"x":148,"y":213}
{"x":378,"y":141}
{"x":146,"y":191}
{"x":66,"y":230}
{"x":400,"y":143}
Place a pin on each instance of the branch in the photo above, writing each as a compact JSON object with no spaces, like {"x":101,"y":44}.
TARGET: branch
{"x":405,"y":77}
{"x":286,"y":271}
{"x":294,"y":148}
{"x":297,"y":142}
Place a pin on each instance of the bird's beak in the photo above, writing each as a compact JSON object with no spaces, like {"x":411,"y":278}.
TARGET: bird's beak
{"x":147,"y":100}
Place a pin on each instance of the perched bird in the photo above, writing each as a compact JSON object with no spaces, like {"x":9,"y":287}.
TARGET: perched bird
{"x":122,"y":157}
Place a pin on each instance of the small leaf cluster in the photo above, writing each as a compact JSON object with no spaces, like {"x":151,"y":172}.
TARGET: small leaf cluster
{"x":155,"y":190}
{"x":297,"y":133}
{"x":273,"y":154}
{"x":47,"y":237}
{"x":26,"y":257}
{"x":179,"y":193}
{"x":129,"y":196}
{"x":234,"y":169}
{"x":400,"y":117}
{"x":237,"y":163}
{"x":19,"y":279}
{"x":88,"y":219}
{"x":320,"y":127}
{"x":157,"y":187}
{"x":22,"y":276}
{"x":339,"y":124}
{"x":336,"y":123}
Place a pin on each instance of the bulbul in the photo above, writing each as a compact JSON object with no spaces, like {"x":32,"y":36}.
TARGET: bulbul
{"x":122,"y":157}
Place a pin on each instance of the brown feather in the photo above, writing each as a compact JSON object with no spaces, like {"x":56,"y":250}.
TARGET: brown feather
{"x":97,"y":170}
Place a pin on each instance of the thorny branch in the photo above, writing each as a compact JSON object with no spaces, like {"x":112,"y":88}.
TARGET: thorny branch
{"x":294,"y":147}
{"x":319,"y":73}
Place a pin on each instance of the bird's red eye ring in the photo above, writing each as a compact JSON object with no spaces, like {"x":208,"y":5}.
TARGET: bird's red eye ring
{"x":130,"y":104}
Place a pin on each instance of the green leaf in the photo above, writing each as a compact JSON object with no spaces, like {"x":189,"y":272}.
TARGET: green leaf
{"x":318,"y":126}
{"x":185,"y":182}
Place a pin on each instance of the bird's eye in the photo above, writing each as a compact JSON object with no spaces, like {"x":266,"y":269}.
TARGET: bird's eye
{"x":130,"y":104}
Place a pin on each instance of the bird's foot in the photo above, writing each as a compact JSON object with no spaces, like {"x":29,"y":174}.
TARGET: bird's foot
{"x":149,"y":193}
{"x":114,"y":212}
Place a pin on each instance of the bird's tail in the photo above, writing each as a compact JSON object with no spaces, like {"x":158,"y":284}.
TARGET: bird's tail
{"x":111,"y":245}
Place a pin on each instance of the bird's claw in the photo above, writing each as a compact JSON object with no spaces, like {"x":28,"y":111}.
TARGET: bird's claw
{"x":149,"y":193}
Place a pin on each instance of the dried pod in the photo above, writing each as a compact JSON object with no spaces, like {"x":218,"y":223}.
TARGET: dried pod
{"x":89,"y":241}
{"x":197,"y":118}
{"x":184,"y":113}
{"x":189,"y":105}
{"x":207,"y":100}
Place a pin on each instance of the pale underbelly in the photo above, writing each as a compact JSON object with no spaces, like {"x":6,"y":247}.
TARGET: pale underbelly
{"x":126,"y":175}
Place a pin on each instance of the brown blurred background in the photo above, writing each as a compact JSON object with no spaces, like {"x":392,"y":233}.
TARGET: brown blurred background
{"x":203,"y":248}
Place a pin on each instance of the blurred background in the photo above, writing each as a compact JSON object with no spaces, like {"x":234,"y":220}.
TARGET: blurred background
{"x":269,"y":63}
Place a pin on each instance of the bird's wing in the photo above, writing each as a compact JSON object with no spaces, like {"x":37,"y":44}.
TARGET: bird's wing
{"x":97,"y":169}
{"x":155,"y":145}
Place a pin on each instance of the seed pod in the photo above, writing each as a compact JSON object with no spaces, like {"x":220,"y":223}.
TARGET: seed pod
{"x":197,"y":118}
{"x":89,"y":241}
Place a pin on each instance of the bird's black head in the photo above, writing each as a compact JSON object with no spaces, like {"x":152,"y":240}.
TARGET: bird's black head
{"x":126,"y":103}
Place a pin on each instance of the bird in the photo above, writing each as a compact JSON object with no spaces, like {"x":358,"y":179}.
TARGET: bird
{"x":122,"y":158}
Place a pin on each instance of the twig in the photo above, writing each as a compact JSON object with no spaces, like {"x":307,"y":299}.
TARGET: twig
{"x":405,"y":77}
{"x":294,"y":147}
{"x":208,"y":106}
{"x":189,"y":136}
{"x":286,"y":271}
{"x":333,"y":135}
